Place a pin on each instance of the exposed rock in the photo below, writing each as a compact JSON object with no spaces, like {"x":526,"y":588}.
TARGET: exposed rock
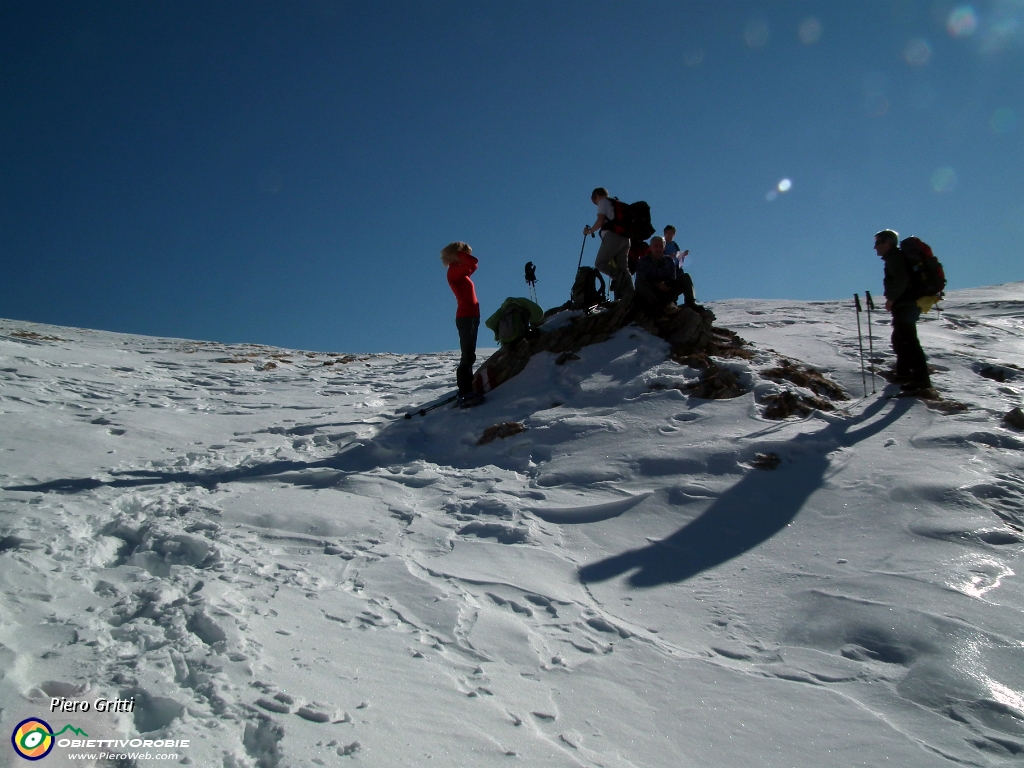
{"x":946,"y":407}
{"x":689,"y":331}
{"x":766,"y":461}
{"x":806,"y":377}
{"x":787,"y":403}
{"x":1000,"y":373}
{"x":716,"y":383}
{"x":507,"y":429}
{"x":1015,"y":418}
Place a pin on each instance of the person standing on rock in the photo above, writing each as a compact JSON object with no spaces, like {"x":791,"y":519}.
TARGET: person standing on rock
{"x":660,"y":281}
{"x":613,"y":255}
{"x":911,"y":363}
{"x":458,"y":258}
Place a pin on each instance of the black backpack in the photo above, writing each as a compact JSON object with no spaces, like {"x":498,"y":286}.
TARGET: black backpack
{"x":927,"y":277}
{"x":585,"y":291}
{"x":632,"y":220}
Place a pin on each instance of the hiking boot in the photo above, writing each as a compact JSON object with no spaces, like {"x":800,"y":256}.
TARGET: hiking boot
{"x":915,"y":385}
{"x":469,"y":400}
{"x":895,"y":377}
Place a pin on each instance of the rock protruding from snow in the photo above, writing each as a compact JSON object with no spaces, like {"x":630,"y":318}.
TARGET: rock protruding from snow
{"x":1015,"y":418}
{"x":688,"y":330}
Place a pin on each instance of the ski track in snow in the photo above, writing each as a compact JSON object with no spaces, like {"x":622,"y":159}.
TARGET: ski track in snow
{"x":252,"y":543}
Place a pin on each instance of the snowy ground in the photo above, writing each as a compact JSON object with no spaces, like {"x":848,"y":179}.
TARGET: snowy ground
{"x":249,"y":542}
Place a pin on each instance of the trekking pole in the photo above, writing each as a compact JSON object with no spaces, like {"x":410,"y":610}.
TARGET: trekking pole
{"x":860,"y":343}
{"x":871,"y":344}
{"x":531,"y":280}
{"x":580,"y":264}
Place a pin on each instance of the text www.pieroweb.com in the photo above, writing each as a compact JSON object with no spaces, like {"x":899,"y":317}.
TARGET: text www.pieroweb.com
{"x":114,"y":749}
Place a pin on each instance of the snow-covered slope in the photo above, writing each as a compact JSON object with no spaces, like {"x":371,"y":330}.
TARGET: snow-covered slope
{"x":281,"y":571}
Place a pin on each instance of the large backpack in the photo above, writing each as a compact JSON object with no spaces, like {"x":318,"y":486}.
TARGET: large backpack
{"x":513,"y":324}
{"x":516,"y":318}
{"x":585,"y":291}
{"x":927,"y":277}
{"x":632,"y":220}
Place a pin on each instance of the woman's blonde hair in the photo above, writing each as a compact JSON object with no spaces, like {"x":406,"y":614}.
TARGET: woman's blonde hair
{"x":450,"y":253}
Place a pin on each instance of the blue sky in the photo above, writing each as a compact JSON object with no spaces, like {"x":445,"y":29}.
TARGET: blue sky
{"x":287,"y":172}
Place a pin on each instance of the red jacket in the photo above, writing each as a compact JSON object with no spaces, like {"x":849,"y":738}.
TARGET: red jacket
{"x":462,"y":286}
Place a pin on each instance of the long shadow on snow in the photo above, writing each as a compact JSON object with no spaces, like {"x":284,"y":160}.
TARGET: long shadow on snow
{"x":398,"y":443}
{"x":355,"y":458}
{"x":748,"y":514}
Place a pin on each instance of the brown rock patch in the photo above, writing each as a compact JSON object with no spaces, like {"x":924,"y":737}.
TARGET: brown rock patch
{"x":502,"y":431}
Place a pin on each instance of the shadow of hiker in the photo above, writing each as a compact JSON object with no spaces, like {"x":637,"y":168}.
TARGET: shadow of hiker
{"x":400,"y":441}
{"x":357,"y":457}
{"x":748,"y":514}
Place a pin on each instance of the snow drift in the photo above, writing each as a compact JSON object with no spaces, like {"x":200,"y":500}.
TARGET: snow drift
{"x":280,"y":571}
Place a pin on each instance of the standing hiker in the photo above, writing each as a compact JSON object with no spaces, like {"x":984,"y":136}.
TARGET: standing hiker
{"x":911,"y":363}
{"x":660,"y":281}
{"x":458,"y":258}
{"x":613,"y":255}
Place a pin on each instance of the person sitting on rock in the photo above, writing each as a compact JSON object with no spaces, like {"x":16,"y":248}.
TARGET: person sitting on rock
{"x":672,"y":249}
{"x":660,"y":281}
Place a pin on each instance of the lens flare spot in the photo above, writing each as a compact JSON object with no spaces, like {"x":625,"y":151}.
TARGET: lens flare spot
{"x":962,"y":22}
{"x":781,"y":188}
{"x":918,"y":52}
{"x":1003,"y":120}
{"x":810,"y":31}
{"x":756,"y":33}
{"x":1000,"y":32}
{"x":944,"y":180}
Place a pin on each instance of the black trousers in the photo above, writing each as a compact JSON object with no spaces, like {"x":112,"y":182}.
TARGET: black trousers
{"x":468,"y":327}
{"x":910,"y":358}
{"x":656,"y":300}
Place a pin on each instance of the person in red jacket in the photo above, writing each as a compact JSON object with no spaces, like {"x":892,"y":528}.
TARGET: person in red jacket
{"x":458,"y":258}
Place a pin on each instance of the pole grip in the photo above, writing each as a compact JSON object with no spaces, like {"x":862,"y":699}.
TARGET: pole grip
{"x":856,"y":300}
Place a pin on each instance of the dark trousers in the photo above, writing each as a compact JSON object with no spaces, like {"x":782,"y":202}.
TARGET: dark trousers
{"x":468,"y":327}
{"x":656,"y":299}
{"x":910,"y":358}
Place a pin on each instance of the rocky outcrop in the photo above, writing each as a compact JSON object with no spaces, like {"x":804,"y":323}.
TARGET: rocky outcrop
{"x":689,"y":331}
{"x":1015,"y":418}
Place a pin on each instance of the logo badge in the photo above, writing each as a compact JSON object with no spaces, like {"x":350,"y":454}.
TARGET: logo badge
{"x":33,"y":738}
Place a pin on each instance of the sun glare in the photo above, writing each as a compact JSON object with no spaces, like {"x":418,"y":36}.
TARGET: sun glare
{"x":809,"y":31}
{"x":944,"y":180}
{"x":756,"y":33}
{"x":963,"y":21}
{"x":918,"y":52}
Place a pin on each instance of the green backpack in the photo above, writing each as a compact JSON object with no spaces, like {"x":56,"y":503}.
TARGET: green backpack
{"x":514,"y":320}
{"x":513,"y":324}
